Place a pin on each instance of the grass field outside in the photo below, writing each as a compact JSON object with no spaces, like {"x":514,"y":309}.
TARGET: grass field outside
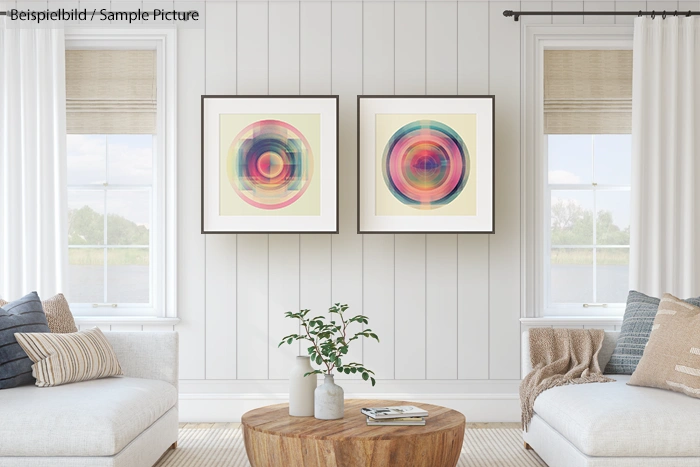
{"x":604,"y":256}
{"x":115,"y":256}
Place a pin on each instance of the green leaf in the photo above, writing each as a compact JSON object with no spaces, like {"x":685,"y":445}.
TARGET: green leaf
{"x":354,"y":370}
{"x":319,"y":360}
{"x":365,"y":376}
{"x":337,"y":361}
{"x":373,"y":381}
{"x":346,"y":370}
{"x":290,"y":340}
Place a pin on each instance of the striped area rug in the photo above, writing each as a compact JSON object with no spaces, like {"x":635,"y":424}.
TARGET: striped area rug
{"x":223,"y":447}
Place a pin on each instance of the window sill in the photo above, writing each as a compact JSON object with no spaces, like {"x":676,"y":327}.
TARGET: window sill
{"x":125,"y":320}
{"x":572,"y":321}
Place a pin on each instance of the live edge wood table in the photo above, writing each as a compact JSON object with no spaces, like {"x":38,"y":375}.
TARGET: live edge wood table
{"x":274,"y":439}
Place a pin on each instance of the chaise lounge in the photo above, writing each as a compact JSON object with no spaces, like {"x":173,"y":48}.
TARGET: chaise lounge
{"x":125,"y":421}
{"x":613,"y":424}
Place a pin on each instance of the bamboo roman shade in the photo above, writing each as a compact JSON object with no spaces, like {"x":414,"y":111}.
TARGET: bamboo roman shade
{"x":587,"y":91}
{"x":111,"y":91}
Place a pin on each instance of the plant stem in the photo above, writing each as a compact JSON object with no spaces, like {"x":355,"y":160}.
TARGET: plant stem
{"x":318,"y":351}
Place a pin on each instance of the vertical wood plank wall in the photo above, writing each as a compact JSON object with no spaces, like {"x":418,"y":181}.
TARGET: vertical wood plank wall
{"x":447,"y":307}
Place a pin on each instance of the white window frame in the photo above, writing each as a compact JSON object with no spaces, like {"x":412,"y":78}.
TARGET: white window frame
{"x":164,"y":233}
{"x":534,"y":174}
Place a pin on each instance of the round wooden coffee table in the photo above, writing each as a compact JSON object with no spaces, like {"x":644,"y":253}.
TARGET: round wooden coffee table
{"x":274,"y":439}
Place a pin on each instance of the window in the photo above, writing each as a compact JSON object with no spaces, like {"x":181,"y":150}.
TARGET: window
{"x":580,"y":198}
{"x":120,"y":173}
{"x":588,"y":196}
{"x":110,"y":219}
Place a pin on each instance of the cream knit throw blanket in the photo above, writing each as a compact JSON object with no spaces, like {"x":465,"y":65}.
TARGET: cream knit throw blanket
{"x":560,"y":357}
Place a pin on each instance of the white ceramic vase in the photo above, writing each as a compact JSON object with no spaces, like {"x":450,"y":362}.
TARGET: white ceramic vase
{"x":329,"y":401}
{"x":301,"y":389}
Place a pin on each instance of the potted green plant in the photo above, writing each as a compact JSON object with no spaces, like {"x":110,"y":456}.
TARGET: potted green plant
{"x":330,"y":341}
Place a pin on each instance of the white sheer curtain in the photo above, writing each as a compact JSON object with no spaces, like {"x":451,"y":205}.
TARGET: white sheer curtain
{"x":33,"y":204}
{"x":665,"y":223}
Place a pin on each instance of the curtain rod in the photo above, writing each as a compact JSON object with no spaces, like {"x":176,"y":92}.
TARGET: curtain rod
{"x":517,"y":14}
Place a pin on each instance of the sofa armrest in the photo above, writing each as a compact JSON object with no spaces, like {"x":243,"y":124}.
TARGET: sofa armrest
{"x":149,"y":355}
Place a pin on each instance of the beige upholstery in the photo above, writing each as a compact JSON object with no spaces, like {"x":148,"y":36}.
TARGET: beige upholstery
{"x":125,"y":421}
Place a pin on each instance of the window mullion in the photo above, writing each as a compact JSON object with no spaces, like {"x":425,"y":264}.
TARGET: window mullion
{"x":106,"y":186}
{"x":595,"y":223}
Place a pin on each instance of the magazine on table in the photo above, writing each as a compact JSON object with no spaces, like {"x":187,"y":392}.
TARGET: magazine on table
{"x":413,"y":421}
{"x":400,"y":411}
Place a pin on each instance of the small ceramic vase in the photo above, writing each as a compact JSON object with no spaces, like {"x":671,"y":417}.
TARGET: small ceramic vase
{"x":329,"y":403}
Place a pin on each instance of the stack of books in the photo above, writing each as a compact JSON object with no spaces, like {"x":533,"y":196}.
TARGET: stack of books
{"x":403,"y":415}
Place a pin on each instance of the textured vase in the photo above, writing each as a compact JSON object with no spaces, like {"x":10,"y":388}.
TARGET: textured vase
{"x":301,"y":389}
{"x":329,"y":401}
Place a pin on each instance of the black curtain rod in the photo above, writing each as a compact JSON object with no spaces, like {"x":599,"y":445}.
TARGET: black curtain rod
{"x":517,"y":14}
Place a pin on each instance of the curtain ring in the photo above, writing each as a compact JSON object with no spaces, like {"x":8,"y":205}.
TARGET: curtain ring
{"x":653,"y":14}
{"x":664,"y":15}
{"x":640,"y":14}
{"x":688,"y":15}
{"x":675,"y":13}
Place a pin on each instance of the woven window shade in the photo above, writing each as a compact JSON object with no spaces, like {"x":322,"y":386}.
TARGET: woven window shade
{"x":587,"y":91}
{"x":111,"y":91}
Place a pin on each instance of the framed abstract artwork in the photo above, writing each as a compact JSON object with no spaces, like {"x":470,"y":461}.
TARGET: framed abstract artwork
{"x":425,"y":164}
{"x":269,"y":164}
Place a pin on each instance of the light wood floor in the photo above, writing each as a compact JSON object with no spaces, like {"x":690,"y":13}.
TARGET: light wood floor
{"x":205,"y":426}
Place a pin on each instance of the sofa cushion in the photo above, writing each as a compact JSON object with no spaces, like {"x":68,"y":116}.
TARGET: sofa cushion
{"x":22,"y":315}
{"x":636,"y":326}
{"x":69,"y":357}
{"x":58,"y":314}
{"x":614,"y":419}
{"x":90,"y":418}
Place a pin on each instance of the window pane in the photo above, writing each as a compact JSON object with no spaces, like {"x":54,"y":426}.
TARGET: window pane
{"x":613,"y":219}
{"x":128,"y":275}
{"x":128,"y":217}
{"x":571,"y":275}
{"x":572,"y":217}
{"x":86,"y":275}
{"x":570,"y":159}
{"x":86,"y":217}
{"x":613,"y":159}
{"x":86,"y":159}
{"x":130,"y":159}
{"x":612,"y":281}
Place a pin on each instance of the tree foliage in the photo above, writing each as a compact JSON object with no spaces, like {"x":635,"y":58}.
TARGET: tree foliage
{"x":573,"y":225}
{"x":86,"y":227}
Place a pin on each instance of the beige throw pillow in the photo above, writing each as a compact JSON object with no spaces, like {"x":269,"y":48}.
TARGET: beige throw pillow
{"x":57,"y":312}
{"x":68,"y":358}
{"x":671,"y":358}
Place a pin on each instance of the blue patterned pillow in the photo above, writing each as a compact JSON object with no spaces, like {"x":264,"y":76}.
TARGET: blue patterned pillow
{"x":634,"y":335}
{"x":23,"y":315}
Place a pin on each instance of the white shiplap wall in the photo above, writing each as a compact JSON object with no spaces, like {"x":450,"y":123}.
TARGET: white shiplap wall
{"x":447,"y":307}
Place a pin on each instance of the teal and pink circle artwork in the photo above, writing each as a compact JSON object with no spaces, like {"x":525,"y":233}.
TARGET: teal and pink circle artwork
{"x":425,"y":164}
{"x":270,"y":164}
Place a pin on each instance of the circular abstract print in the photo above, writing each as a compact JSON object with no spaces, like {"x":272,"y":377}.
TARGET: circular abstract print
{"x":425,"y":164}
{"x":270,"y":164}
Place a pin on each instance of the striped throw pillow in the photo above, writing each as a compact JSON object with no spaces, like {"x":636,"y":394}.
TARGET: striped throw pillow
{"x":69,"y":358}
{"x":58,"y":313}
{"x":23,"y":315}
{"x":671,"y":359}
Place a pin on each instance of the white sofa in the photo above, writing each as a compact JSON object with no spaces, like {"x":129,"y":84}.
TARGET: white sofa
{"x":125,"y":421}
{"x":613,"y":424}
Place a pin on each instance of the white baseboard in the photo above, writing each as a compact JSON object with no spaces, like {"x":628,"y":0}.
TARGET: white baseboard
{"x":229,"y":407}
